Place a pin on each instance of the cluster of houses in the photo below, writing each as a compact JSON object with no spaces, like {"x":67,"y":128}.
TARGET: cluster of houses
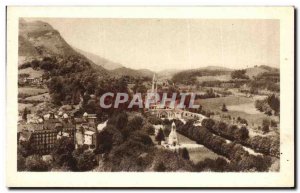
{"x":31,"y":81}
{"x":42,"y":136}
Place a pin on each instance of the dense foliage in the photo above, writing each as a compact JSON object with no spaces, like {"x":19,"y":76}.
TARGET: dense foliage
{"x":266,"y":80}
{"x":240,"y":159}
{"x":239,"y":74}
{"x":265,"y":145}
{"x":269,"y":105}
{"x":189,"y":77}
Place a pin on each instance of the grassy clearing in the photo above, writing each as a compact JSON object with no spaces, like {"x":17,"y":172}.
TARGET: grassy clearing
{"x":198,"y":154}
{"x":202,"y":154}
{"x":32,"y":73}
{"x":39,"y":98}
{"x":238,"y":106}
{"x":31,"y":91}
{"x":213,"y":78}
{"x":21,"y":106}
{"x":215,"y":104}
{"x":185,"y":140}
{"x":247,"y":108}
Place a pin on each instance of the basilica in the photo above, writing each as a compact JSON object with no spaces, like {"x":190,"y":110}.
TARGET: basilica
{"x":167,"y":111}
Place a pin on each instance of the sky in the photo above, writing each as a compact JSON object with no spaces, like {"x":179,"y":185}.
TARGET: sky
{"x":159,"y":44}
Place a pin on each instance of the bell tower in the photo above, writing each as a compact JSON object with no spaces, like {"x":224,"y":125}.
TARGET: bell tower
{"x":154,"y":84}
{"x":173,"y":140}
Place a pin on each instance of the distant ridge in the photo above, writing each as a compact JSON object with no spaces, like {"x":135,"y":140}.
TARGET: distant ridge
{"x":38,"y":39}
{"x":107,"y":64}
{"x":131,"y":72}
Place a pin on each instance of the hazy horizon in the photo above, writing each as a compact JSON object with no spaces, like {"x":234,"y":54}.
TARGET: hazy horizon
{"x":181,"y":44}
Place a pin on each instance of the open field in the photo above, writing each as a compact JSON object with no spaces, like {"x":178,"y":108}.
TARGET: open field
{"x":202,"y":154}
{"x":214,"y":78}
{"x":39,"y":98}
{"x":32,"y":91}
{"x":185,"y":140}
{"x":30,"y":96}
{"x":246,"y":108}
{"x":215,"y":104}
{"x":32,"y":73}
{"x":198,"y":154}
{"x":237,"y":106}
{"x":21,"y":106}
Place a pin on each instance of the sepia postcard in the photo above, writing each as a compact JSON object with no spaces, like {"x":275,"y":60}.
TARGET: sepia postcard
{"x":150,"y":97}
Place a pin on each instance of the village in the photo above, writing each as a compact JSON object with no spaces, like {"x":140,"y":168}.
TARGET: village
{"x":78,"y":113}
{"x":41,"y":132}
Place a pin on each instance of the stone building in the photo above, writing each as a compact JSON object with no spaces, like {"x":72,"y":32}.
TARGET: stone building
{"x":42,"y":136}
{"x":172,"y":139}
{"x":86,"y":130}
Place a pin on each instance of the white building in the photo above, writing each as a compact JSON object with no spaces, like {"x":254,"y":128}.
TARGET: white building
{"x":172,"y":139}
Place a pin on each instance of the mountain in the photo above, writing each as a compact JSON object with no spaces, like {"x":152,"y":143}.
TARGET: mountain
{"x":212,"y":68}
{"x":256,"y":70}
{"x":210,"y":72}
{"x":168,"y":73}
{"x":117,"y":69}
{"x":146,"y":72}
{"x":107,"y":64}
{"x":38,"y":39}
{"x":131,"y":72}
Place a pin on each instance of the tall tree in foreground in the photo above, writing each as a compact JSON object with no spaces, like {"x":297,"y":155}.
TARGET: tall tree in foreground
{"x":160,"y":136}
{"x":185,"y":154}
{"x":224,"y":108}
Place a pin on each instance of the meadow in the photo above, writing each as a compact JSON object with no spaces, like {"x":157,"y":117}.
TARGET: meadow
{"x":32,"y":73}
{"x":198,"y":154}
{"x":31,"y":91}
{"x":238,"y":106}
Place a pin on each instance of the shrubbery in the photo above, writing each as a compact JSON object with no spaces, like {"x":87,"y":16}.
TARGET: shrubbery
{"x":233,"y":151}
{"x":265,"y":145}
{"x":217,"y":165}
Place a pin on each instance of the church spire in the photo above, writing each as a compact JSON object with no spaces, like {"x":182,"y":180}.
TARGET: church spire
{"x":153,"y":90}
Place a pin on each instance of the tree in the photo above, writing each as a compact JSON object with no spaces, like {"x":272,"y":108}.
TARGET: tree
{"x":105,"y":142}
{"x":62,"y":152}
{"x":243,"y":121}
{"x":86,"y":161}
{"x":185,"y":154}
{"x":239,"y":74}
{"x":266,"y":125}
{"x":122,"y":120}
{"x":241,"y":134}
{"x":273,"y":123}
{"x":160,"y":167}
{"x":139,"y":88}
{"x":224,"y":108}
{"x":259,"y":105}
{"x":160,"y":136}
{"x":110,"y":136}
{"x":25,"y":148}
{"x":21,"y":162}
{"x":141,"y":137}
{"x":24,"y":114}
{"x":154,"y":120}
{"x":35,"y":163}
{"x":119,"y":120}
{"x":274,"y":103}
{"x":149,"y":129}
{"x":136,"y":123}
{"x":208,"y":123}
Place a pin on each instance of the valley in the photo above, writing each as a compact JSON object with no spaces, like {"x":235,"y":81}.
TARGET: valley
{"x":236,"y":127}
